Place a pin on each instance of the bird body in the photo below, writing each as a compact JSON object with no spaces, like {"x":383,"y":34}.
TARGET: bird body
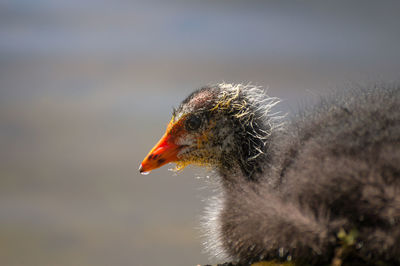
{"x":294,"y":190}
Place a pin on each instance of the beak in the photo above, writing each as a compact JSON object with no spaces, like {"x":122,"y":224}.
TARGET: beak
{"x":165,"y":151}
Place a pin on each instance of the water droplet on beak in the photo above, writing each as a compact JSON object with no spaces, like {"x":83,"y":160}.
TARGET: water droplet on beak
{"x":141,"y":170}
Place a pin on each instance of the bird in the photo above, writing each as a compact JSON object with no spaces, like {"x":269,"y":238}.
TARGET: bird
{"x":321,"y":187}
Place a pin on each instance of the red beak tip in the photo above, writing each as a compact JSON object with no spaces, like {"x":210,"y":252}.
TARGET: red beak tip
{"x":142,"y":171}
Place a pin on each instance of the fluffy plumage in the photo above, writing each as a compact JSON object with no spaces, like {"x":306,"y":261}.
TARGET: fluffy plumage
{"x":294,"y":190}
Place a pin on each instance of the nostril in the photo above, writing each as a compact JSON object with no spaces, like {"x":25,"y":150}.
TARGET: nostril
{"x":153,"y":156}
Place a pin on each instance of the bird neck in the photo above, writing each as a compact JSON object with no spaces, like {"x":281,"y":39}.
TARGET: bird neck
{"x":249,"y":153}
{"x":250,"y":158}
{"x":244,"y":110}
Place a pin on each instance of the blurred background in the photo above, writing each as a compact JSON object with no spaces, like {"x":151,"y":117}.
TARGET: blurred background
{"x":87,"y":88}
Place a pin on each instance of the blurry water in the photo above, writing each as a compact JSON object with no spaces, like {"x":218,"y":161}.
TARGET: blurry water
{"x":86,"y":89}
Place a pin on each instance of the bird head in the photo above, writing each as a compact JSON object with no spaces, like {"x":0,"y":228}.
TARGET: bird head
{"x":222,"y":126}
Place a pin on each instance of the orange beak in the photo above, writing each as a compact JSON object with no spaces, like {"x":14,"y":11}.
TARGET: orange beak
{"x":165,"y":151}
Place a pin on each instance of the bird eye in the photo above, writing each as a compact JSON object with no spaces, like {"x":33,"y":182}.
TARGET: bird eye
{"x":193,"y":123}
